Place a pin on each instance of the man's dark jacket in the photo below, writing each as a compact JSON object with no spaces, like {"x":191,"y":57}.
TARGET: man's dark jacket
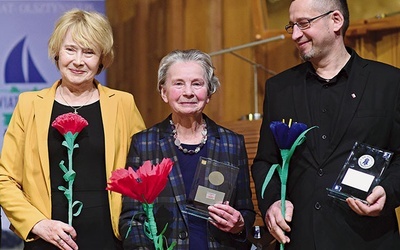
{"x":369,"y":113}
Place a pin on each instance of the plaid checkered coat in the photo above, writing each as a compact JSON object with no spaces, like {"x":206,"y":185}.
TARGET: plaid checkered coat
{"x":157,"y":143}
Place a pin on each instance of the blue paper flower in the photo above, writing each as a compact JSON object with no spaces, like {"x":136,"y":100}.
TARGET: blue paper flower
{"x":284,"y":135}
{"x":288,"y":137}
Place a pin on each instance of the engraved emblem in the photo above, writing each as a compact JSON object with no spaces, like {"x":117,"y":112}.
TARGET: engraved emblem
{"x":366,"y":161}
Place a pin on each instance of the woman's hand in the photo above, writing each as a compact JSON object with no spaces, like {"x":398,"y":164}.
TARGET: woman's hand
{"x":57,"y":233}
{"x":226,"y":218}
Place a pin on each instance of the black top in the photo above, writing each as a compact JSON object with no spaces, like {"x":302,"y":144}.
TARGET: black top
{"x":93,"y":224}
{"x":324,"y":98}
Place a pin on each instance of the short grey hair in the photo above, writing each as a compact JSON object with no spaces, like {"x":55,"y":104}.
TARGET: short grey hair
{"x":340,"y":5}
{"x":203,"y":59}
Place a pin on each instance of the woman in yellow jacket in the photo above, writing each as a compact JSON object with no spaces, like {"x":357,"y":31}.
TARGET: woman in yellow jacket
{"x":81,"y":46}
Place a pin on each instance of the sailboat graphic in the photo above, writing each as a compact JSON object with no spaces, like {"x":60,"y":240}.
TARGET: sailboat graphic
{"x":14,"y":67}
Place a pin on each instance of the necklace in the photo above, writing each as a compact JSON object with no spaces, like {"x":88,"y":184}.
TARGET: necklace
{"x":76,"y":108}
{"x":178,"y":143}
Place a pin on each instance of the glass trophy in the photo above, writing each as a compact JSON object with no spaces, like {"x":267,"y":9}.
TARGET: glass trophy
{"x":213,"y":183}
{"x":361,"y":172}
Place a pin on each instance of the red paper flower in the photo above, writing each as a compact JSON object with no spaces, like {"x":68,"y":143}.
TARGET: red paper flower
{"x":143,"y":185}
{"x":69,"y":125}
{"x":69,"y":122}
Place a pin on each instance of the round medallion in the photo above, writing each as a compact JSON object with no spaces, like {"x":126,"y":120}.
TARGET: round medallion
{"x":366,"y":161}
{"x":216,"y":178}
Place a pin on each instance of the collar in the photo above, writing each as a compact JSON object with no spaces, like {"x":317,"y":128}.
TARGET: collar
{"x":345,"y":71}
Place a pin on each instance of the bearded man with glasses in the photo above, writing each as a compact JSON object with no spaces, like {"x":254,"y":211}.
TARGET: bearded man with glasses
{"x":350,"y":99}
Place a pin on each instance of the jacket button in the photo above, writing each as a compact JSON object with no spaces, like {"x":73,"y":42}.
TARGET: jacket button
{"x":317,"y":206}
{"x":183,"y":235}
{"x":320,"y":172}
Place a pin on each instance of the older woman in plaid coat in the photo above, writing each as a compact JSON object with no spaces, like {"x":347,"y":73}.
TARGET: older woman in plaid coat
{"x":186,"y":83}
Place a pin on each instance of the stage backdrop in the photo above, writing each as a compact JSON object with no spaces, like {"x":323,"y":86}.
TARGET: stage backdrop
{"x":24,"y":64}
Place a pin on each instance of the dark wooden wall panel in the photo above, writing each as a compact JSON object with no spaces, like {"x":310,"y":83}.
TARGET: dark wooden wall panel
{"x":145,"y":31}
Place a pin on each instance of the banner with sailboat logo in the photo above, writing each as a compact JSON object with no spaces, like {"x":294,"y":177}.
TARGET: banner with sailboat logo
{"x":24,"y":64}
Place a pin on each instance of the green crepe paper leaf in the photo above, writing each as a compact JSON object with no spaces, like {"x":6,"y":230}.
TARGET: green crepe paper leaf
{"x":62,"y":166}
{"x":78,"y":211}
{"x":67,"y":192}
{"x":172,"y":246}
{"x":69,"y":176}
{"x":65,"y":144}
{"x":130,"y":224}
{"x":268,"y":177}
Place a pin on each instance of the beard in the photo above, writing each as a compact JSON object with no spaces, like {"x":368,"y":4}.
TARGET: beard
{"x":307,"y":56}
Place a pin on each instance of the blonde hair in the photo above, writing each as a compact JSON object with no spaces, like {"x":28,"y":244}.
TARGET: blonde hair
{"x":89,"y":29}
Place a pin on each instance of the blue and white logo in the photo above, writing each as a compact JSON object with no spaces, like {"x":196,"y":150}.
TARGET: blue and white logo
{"x":15,"y":64}
{"x":366,"y":161}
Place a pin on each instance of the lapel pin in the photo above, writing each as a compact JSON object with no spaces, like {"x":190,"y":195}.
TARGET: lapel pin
{"x":353,"y":95}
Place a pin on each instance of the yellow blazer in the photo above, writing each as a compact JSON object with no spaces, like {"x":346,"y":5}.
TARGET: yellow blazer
{"x":25,"y":194}
{"x":397,"y":210}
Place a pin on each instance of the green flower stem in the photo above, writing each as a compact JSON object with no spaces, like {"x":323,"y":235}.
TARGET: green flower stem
{"x":283,"y":170}
{"x":283,"y":174}
{"x":283,"y":177}
{"x":70,"y":185}
{"x":150,"y":228}
{"x":148,"y":209}
{"x":69,"y":176}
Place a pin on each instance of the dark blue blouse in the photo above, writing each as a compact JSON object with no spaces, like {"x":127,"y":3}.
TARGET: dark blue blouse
{"x":197,"y":226}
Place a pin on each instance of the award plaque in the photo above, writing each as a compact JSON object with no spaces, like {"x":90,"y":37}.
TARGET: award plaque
{"x":213,"y":183}
{"x":361,"y":172}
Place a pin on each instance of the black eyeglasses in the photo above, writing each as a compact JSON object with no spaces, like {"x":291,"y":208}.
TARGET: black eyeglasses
{"x":304,"y":23}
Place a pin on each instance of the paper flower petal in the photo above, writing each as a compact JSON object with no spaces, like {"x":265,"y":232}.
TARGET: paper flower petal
{"x":143,"y":185}
{"x":69,"y":122}
{"x":285,"y":136}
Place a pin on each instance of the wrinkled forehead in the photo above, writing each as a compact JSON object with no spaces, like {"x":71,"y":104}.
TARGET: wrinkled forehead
{"x":185,"y":69}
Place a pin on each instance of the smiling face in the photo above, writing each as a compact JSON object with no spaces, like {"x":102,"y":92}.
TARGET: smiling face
{"x":78,"y":66}
{"x":185,"y":88}
{"x":315,"y":41}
